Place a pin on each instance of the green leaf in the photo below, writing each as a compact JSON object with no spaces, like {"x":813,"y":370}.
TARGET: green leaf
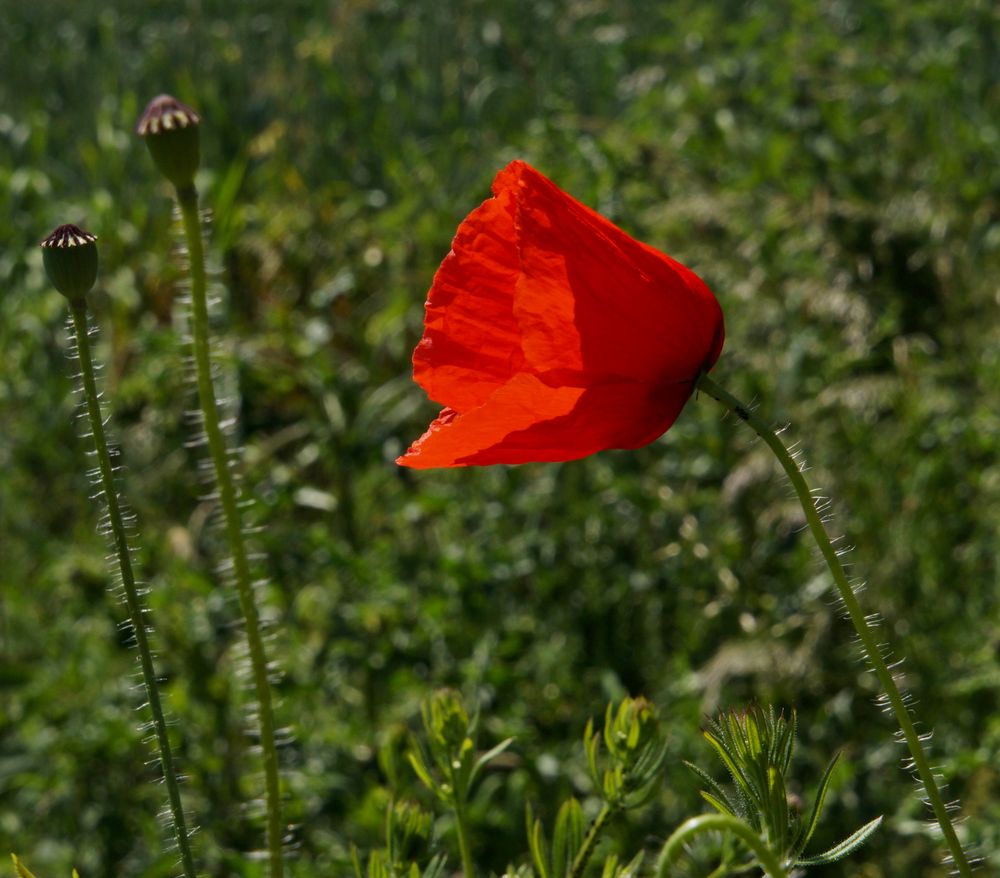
{"x":567,"y":838}
{"x":847,"y":846}
{"x":788,"y":743}
{"x":536,"y":844}
{"x":488,"y":757}
{"x":377,"y":867}
{"x":735,"y":772}
{"x":592,"y":746}
{"x":420,"y":768}
{"x":721,"y":806}
{"x":20,"y":868}
{"x":717,"y":792}
{"x":435,"y":868}
{"x":611,"y":868}
{"x":633,"y":867}
{"x":356,"y":862}
{"x":809,"y":827}
{"x":462,"y":768}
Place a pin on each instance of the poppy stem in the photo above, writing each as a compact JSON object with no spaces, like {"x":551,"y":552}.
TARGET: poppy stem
{"x":187,"y":198}
{"x":866,"y":636}
{"x":133,"y":602}
{"x":681,"y":836}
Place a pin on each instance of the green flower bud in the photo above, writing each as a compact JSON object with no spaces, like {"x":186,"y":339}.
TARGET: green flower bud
{"x":408,"y":832}
{"x":448,"y":721}
{"x":170,"y":130}
{"x":70,"y":258}
{"x":632,"y":731}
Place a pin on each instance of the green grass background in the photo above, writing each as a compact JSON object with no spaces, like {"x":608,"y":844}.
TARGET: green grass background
{"x":830,"y":168}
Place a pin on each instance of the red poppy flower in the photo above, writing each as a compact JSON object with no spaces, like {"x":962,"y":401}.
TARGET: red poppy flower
{"x":550,"y":334}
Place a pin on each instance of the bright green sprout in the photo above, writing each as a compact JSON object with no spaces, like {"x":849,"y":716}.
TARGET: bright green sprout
{"x":635,"y":749}
{"x":451,"y":738}
{"x":626,"y":776}
{"x":756,"y":747}
{"x":407,"y":840}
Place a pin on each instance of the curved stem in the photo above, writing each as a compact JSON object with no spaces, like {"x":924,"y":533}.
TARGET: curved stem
{"x":857,"y":617}
{"x":590,"y":841}
{"x":132,"y":601}
{"x":718,"y":823}
{"x":228,"y":497}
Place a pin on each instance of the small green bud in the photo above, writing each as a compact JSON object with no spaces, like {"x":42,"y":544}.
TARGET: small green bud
{"x":448,"y":722}
{"x":70,"y":258}
{"x":170,"y":130}
{"x":636,"y":750}
{"x":633,"y":731}
{"x":408,"y":832}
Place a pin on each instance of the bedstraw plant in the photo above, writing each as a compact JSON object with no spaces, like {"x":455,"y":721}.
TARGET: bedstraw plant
{"x":755,"y":826}
{"x":756,"y":748}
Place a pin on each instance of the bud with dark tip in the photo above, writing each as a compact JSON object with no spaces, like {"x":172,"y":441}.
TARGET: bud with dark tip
{"x":170,"y":130}
{"x":70,"y":258}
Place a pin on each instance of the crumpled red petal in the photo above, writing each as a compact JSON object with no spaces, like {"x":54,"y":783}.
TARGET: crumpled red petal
{"x":527,"y":420}
{"x":593,"y":299}
{"x":472,"y":343}
{"x":551,"y":334}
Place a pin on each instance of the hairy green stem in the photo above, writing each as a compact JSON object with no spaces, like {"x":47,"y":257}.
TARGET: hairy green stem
{"x":718,"y":823}
{"x":187,"y":198}
{"x":857,"y":617}
{"x":132,"y":601}
{"x":590,"y":841}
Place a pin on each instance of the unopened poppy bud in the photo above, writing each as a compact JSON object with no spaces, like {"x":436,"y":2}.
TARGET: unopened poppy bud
{"x":170,"y":130}
{"x":70,"y":258}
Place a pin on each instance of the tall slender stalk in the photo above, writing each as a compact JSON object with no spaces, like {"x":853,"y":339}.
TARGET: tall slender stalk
{"x":865,"y":635}
{"x":132,"y":600}
{"x":187,"y":198}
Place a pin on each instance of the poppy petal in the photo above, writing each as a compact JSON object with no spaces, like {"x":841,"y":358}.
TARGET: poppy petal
{"x":472,"y":344}
{"x":527,"y":420}
{"x":590,"y":298}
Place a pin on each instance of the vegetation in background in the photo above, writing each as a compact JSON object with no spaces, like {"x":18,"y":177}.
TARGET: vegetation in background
{"x":829,"y":169}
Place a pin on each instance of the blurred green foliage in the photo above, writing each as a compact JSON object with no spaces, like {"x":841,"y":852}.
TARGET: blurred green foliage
{"x":829,"y":168}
